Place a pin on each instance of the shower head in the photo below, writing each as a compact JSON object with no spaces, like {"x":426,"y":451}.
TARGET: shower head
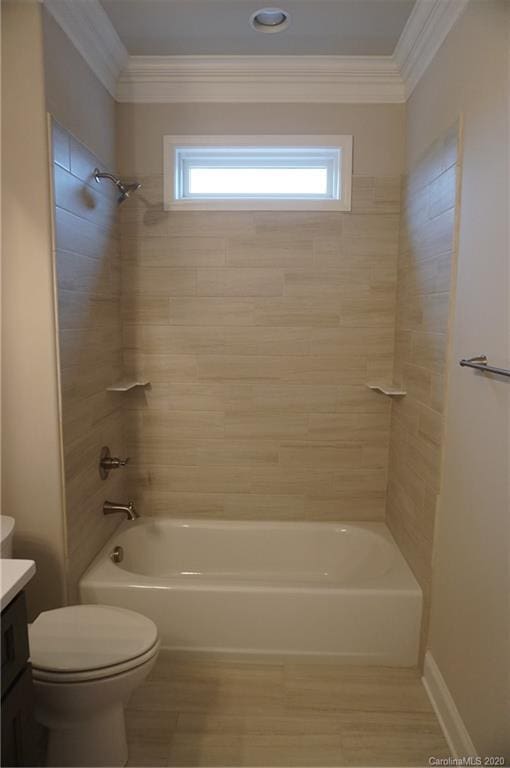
{"x":125,"y":189}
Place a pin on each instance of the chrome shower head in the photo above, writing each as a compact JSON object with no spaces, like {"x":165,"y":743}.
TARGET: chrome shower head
{"x":124,"y":188}
{"x":127,"y":189}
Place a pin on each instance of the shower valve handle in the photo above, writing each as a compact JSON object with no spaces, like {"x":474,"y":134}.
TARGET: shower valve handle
{"x":114,"y":462}
{"x":107,"y":462}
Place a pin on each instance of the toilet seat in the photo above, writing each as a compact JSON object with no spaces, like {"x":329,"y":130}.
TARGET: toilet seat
{"x":46,"y":676}
{"x":89,"y":642}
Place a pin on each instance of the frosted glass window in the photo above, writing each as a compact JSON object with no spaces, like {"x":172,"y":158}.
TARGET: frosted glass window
{"x":212,"y":175}
{"x":258,"y":181}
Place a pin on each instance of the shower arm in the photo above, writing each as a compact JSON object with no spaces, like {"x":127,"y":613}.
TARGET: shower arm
{"x":98,"y":175}
{"x":125,"y":189}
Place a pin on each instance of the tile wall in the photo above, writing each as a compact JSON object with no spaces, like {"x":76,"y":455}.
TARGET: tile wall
{"x":259,"y":332}
{"x":88,"y":284}
{"x":426,"y":266}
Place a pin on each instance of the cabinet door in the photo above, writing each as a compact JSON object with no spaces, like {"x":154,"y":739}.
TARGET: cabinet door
{"x":14,"y":641}
{"x":20,"y":735}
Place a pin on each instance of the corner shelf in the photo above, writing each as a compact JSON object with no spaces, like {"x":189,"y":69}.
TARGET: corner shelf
{"x":126,"y":386}
{"x":389,"y":391}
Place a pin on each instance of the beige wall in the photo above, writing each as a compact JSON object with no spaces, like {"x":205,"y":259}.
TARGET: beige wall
{"x":88,"y":280}
{"x":31,"y":466}
{"x":259,"y":331}
{"x":378,"y":129}
{"x":469,"y":632}
{"x":74,"y":95}
{"x":426,"y":264}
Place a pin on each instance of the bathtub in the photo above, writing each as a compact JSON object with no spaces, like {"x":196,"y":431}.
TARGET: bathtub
{"x":302,"y":589}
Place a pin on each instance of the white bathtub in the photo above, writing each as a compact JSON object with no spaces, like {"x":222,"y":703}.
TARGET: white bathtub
{"x":265,"y":588}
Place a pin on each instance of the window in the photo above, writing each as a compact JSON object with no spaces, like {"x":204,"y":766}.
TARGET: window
{"x":258,"y":173}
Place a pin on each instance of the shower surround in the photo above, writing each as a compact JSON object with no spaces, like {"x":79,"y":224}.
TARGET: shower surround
{"x":259,"y":333}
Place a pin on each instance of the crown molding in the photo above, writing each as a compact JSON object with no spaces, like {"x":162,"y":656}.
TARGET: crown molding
{"x":313,"y":79}
{"x":90,"y":30}
{"x":425,"y":31}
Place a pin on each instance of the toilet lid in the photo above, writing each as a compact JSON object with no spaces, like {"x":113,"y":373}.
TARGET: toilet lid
{"x":86,"y":637}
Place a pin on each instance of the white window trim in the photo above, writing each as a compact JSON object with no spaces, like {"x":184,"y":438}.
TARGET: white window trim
{"x":342,"y":142}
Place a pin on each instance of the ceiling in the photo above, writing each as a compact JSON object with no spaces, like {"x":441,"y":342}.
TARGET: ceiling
{"x":221,"y":27}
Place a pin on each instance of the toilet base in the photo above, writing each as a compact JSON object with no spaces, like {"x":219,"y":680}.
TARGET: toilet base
{"x":99,"y":741}
{"x":85,"y":720}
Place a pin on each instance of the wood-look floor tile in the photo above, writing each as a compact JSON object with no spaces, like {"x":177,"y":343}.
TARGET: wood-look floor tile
{"x":152,"y":727}
{"x":153,"y":755}
{"x":295,"y":750}
{"x":343,"y":687}
{"x":285,"y":724}
{"x":198,"y":686}
{"x":199,"y":711}
{"x":206,"y":750}
{"x":396,"y":739}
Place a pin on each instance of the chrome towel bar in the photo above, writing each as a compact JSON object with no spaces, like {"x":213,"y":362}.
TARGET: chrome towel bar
{"x":480,"y":364}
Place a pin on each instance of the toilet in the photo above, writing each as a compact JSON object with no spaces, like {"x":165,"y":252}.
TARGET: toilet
{"x":87,"y":660}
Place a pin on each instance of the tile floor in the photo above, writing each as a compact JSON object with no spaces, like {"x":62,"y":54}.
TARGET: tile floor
{"x":200,"y":712}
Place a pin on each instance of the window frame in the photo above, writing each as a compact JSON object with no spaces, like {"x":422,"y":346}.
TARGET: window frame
{"x":173,"y":181}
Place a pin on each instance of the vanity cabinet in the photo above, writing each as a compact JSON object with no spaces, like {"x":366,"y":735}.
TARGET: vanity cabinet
{"x":20,"y":734}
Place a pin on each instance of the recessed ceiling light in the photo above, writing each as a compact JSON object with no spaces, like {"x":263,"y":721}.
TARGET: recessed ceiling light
{"x":270,"y":20}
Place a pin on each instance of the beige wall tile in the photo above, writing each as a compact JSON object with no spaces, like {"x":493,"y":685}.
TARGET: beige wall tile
{"x":83,"y":200}
{"x":173,"y":339}
{"x":301,"y":225}
{"x":259,"y":332}
{"x":82,"y":236}
{"x":174,"y":251}
{"x":259,"y":507}
{"x":277,"y":398}
{"x":211,"y":311}
{"x":301,"y":312}
{"x":266,"y":251}
{"x":61,"y":146}
{"x":215,"y":224}
{"x":161,"y":369}
{"x":90,"y":334}
{"x":158,"y":281}
{"x":252,"y":423}
{"x":375,"y":194}
{"x":266,"y":340}
{"x":239,"y":282}
{"x":337,"y":283}
{"x":429,"y":349}
{"x":320,"y":456}
{"x":426,"y":242}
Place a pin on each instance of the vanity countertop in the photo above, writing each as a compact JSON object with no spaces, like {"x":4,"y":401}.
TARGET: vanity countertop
{"x":15,"y":574}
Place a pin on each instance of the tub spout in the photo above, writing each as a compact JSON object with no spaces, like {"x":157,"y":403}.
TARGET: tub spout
{"x":129,"y":509}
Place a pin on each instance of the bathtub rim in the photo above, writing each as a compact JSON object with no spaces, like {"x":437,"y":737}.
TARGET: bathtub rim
{"x":102,"y":571}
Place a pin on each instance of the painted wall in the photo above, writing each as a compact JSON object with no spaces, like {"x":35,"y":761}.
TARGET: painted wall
{"x":470,"y":621}
{"x":426,"y":270}
{"x":378,"y":129}
{"x":31,"y":445}
{"x":259,"y":331}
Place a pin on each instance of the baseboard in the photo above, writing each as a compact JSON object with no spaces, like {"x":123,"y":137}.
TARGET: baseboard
{"x":250,"y":656}
{"x":454,"y":730}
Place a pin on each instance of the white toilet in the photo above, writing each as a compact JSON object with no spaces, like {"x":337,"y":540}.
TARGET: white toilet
{"x":86,"y":661}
